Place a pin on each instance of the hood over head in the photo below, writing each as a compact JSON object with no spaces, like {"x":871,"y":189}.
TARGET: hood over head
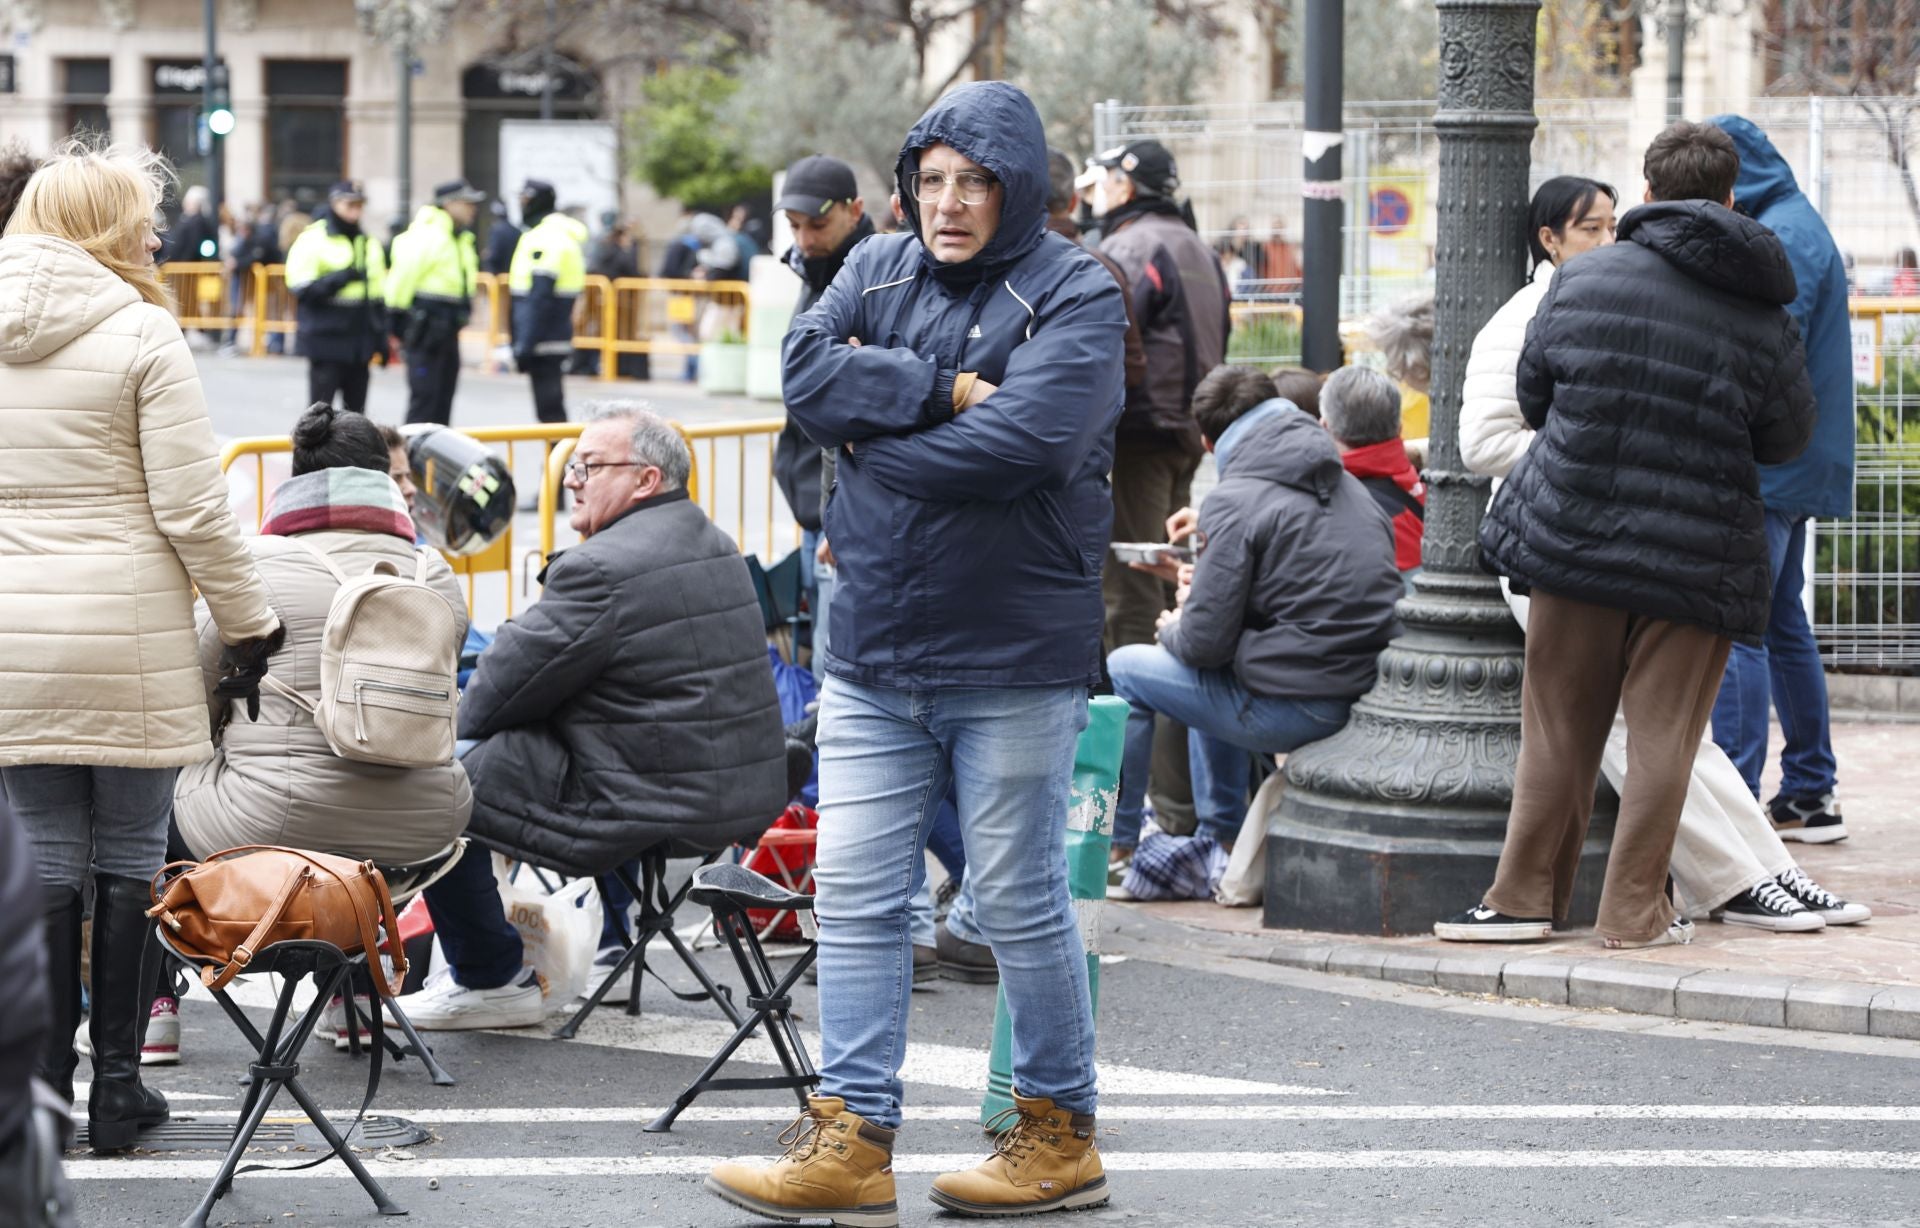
{"x":1765,"y":178}
{"x":1288,"y":449}
{"x":52,"y":292}
{"x":995,"y":124}
{"x":1715,"y":246}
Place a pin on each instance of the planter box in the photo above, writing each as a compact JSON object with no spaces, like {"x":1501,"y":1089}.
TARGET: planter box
{"x":763,"y":373}
{"x":723,"y":369}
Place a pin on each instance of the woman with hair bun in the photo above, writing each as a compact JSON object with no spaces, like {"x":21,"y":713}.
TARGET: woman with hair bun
{"x":112,"y":512}
{"x":276,"y":780}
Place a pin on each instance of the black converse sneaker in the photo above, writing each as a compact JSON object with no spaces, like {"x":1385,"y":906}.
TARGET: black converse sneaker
{"x":1483,"y":924}
{"x":1814,"y":819}
{"x":1830,"y":907}
{"x":1768,"y":906}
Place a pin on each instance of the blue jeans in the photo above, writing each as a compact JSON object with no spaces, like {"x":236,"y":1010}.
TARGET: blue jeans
{"x":1785,"y":671}
{"x":86,"y":820}
{"x":1225,"y":723}
{"x":887,"y":757}
{"x":481,"y":945}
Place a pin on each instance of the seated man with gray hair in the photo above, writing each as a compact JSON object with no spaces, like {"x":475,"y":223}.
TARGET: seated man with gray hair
{"x":1288,"y":605}
{"x":631,"y":706}
{"x":1361,"y":410}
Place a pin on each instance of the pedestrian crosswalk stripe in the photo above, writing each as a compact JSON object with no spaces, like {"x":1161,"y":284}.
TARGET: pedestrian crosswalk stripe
{"x":1112,"y":1114}
{"x":522,"y":1167}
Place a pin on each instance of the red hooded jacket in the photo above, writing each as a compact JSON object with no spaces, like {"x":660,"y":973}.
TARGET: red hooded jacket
{"x":1383,"y":468}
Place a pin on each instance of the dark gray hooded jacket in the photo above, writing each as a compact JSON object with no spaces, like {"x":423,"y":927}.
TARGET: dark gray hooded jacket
{"x":1296,"y":587}
{"x":631,"y":705}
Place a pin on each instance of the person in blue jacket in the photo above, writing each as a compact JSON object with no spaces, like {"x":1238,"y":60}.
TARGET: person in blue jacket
{"x":1787,"y":668}
{"x":969,"y":372}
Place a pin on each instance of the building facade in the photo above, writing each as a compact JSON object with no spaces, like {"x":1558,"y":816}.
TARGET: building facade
{"x":315,"y":100}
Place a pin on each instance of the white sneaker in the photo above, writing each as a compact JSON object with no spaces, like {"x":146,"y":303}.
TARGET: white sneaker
{"x":162,"y":1047}
{"x":445,"y":1005}
{"x":603,"y":965}
{"x":333,"y":1022}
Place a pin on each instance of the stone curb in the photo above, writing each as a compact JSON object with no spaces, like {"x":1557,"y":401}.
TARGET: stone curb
{"x":1565,"y":979}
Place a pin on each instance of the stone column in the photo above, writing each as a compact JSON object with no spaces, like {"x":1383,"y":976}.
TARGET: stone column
{"x":1397,"y":820}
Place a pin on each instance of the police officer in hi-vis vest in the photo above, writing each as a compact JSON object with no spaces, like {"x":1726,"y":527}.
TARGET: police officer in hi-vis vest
{"x":430,"y":292}
{"x":337,"y":273}
{"x":548,"y":273}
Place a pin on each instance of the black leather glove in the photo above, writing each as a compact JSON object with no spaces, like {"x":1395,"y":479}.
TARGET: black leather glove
{"x":334,"y":283}
{"x":243,"y":665}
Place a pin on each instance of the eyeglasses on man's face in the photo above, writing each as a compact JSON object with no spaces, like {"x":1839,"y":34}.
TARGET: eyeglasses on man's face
{"x":581,"y":470}
{"x":973,"y":187}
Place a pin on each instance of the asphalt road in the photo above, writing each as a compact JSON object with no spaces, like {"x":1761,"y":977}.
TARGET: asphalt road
{"x":1236,"y":1093}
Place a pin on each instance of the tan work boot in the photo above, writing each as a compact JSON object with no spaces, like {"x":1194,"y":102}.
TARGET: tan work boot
{"x":1047,"y":1161}
{"x":837,"y":1167}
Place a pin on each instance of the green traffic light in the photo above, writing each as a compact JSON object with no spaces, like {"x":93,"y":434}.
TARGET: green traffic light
{"x":220,"y":122}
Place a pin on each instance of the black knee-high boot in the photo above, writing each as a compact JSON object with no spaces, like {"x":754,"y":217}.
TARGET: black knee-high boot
{"x":119,"y":1106}
{"x":62,"y":925}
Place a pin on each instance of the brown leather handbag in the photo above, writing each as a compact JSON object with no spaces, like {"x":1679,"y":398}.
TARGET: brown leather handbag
{"x":226,"y":909}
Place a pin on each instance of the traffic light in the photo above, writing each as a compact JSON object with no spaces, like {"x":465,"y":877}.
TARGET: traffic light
{"x":219,"y":103}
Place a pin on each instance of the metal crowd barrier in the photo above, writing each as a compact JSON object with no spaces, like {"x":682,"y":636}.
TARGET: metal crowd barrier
{"x":706,"y":443}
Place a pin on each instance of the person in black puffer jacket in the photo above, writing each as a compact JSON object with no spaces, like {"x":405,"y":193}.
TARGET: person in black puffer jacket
{"x":630,"y":708}
{"x":1659,"y":372}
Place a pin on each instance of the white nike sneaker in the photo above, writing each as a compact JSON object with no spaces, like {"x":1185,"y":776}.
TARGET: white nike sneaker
{"x":333,"y":1022}
{"x":603,"y":965}
{"x":445,"y":1005}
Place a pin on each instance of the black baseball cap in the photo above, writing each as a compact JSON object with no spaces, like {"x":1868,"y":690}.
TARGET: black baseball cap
{"x":1147,"y":163}
{"x":815,"y":184}
{"x":348,"y":190}
{"x":457,"y":189}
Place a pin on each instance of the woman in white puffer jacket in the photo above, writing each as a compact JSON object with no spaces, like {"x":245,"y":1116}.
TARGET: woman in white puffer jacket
{"x":1727,"y":861}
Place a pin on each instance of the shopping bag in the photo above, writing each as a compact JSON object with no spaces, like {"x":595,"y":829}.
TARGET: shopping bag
{"x":561,"y":931}
{"x":1244,"y":883}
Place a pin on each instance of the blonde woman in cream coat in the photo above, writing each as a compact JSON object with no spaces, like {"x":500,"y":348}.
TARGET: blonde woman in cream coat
{"x":112,"y":511}
{"x":1727,"y":861}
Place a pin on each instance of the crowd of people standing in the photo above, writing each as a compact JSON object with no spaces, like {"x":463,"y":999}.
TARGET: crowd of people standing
{"x":981,"y":403}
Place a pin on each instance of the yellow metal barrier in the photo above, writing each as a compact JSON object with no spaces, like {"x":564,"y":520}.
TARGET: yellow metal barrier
{"x":653,"y":315}
{"x":199,"y":290}
{"x":274,"y":309}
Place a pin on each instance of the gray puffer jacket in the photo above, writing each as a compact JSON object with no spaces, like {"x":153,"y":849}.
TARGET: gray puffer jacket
{"x":275,"y":780}
{"x":1296,"y":587}
{"x":632,"y":704}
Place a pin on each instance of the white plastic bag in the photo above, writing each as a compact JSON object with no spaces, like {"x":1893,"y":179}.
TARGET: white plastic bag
{"x":561,"y":931}
{"x":1244,"y":883}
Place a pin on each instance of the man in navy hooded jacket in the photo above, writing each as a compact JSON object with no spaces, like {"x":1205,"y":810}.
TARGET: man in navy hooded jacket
{"x":1786,"y":668}
{"x":969,"y":372}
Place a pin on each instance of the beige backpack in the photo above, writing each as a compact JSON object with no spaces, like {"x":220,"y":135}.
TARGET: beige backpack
{"x":389,"y":668}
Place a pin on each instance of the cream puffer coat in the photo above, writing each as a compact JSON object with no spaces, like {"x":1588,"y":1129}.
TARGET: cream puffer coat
{"x":275,"y":780}
{"x":112,"y":508}
{"x":1493,"y":435}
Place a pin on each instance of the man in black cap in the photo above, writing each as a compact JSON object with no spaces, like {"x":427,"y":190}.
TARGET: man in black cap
{"x":337,"y":273}
{"x":823,"y":206}
{"x":430,"y":293}
{"x":1180,"y":298}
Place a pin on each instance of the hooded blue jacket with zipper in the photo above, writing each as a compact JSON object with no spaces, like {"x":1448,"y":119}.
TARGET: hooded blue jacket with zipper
{"x":1820,"y":481}
{"x":968,"y":545}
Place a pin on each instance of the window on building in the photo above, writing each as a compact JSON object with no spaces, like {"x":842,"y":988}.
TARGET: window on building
{"x":176,"y":86}
{"x":306,"y":129}
{"x":85,"y":85}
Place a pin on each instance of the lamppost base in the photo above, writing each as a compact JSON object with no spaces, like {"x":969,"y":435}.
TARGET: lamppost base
{"x":1396,"y":821}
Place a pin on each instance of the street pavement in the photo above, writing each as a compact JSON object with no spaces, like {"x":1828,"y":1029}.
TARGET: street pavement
{"x":1235,"y":1094}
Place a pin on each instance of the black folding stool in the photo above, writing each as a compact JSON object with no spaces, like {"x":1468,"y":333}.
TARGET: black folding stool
{"x":276,"y":1063}
{"x":657,"y":906}
{"x":729,"y":890}
{"x":404,"y":882}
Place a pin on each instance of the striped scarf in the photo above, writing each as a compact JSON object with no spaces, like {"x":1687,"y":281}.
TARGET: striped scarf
{"x":350,"y":500}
